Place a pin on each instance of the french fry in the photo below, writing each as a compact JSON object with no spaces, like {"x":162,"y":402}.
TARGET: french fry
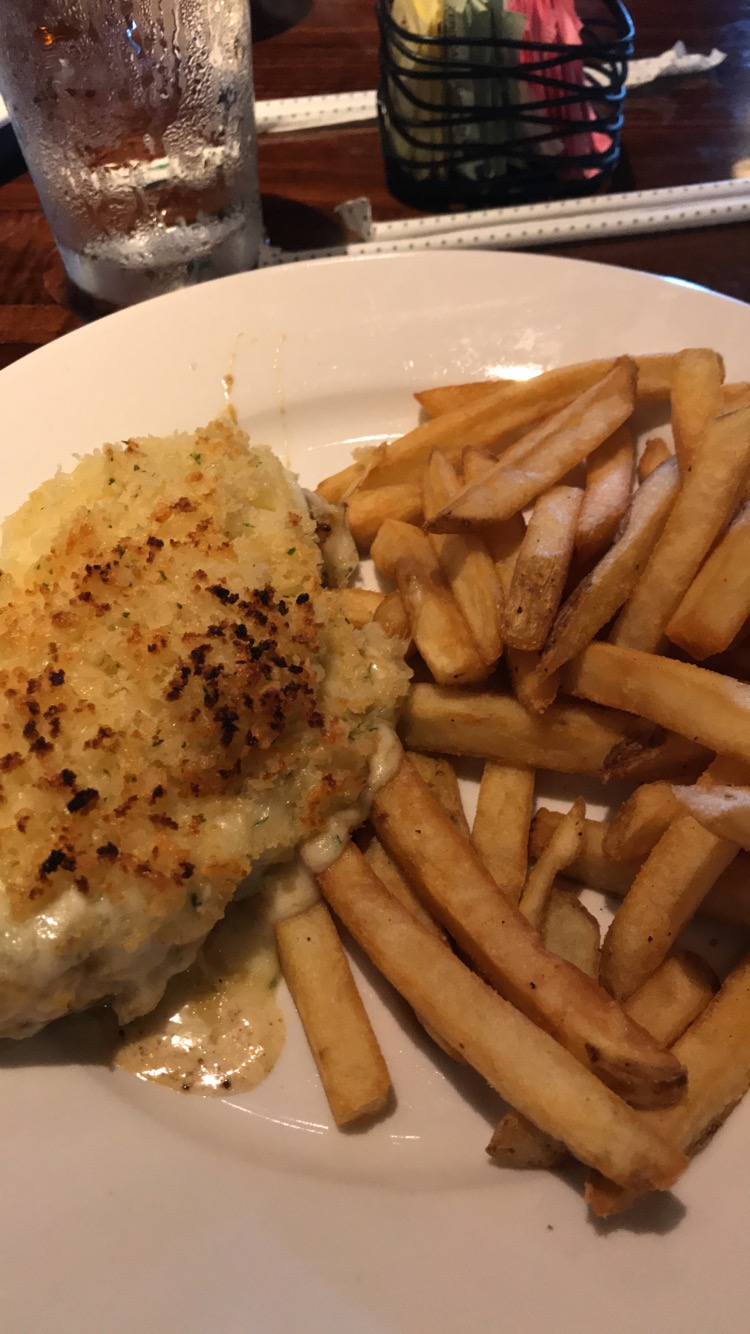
{"x":503,"y":540}
{"x":534,"y":691}
{"x":672,"y":567}
{"x":489,"y":414}
{"x":524,"y":1064}
{"x":655,"y":373}
{"x":470,"y":574}
{"x":501,"y":825}
{"x":570,"y":738}
{"x":386,"y":870}
{"x":578,"y":414}
{"x":544,"y":393}
{"x":591,"y":867}
{"x":541,"y":568}
{"x":439,"y":630}
{"x":466,"y":563}
{"x":538,"y":461}
{"x":440,"y":777}
{"x":490,"y":422}
{"x":447,"y":397}
{"x":338,"y":488}
{"x":664,"y":1006}
{"x":703,"y":706}
{"x":696,"y":400}
{"x":516,"y":1142}
{"x":476,"y":463}
{"x":525,"y":401}
{"x":360,"y":604}
{"x":437,"y":626}
{"x":350,"y":1063}
{"x":654,"y":756}
{"x":640,"y":822}
{"x":721,"y":809}
{"x":572,"y":932}
{"x":736,"y":395}
{"x":439,"y":483}
{"x":710,"y":488}
{"x":559,"y":853}
{"x":672,"y":997}
{"x":609,"y":482}
{"x":655,"y":452}
{"x":717,"y":603}
{"x":666,"y":892}
{"x":445,"y":871}
{"x":601,"y":594}
{"x":339,"y":484}
{"x":391,"y":614}
{"x":367,"y":511}
{"x":388,"y":873}
{"x":716,"y":1053}
{"x":398,"y":543}
{"x":728,"y":900}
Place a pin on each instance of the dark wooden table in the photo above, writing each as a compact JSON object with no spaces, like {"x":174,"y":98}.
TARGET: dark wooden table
{"x":677,"y":131}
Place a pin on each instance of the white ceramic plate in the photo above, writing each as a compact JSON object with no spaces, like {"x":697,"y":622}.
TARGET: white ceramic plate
{"x":126,"y":1207}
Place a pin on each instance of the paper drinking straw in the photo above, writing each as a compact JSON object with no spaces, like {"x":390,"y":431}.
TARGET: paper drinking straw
{"x":635,"y":202}
{"x":651,"y":211}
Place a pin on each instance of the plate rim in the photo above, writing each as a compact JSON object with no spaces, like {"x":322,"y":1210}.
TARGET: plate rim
{"x":438,"y":258}
{"x":448,"y":1207}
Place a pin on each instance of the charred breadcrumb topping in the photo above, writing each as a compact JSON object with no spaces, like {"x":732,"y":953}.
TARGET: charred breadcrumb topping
{"x":178,"y":695}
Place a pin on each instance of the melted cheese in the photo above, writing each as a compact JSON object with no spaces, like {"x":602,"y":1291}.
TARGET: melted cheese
{"x":318,"y":853}
{"x":218,"y":1027}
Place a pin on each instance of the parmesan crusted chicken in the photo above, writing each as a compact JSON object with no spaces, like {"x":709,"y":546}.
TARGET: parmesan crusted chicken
{"x":180,"y":700}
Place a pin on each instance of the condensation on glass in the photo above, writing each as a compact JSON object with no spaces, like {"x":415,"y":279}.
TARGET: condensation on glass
{"x":136,"y":121}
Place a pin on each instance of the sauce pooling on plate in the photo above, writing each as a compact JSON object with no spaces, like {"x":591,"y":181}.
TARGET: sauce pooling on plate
{"x":218,"y":1027}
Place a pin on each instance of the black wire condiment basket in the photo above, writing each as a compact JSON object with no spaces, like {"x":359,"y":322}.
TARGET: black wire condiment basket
{"x":470,"y":123}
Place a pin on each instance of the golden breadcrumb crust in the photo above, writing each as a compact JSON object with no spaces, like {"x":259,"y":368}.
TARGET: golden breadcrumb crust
{"x":178,"y":695}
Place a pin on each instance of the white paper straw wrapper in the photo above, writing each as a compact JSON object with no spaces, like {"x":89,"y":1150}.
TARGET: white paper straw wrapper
{"x":357,"y":215}
{"x":635,"y":214}
{"x":280,"y":115}
{"x":283,"y":114}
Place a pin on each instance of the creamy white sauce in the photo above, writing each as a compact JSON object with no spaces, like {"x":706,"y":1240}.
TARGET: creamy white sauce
{"x":318,"y":853}
{"x":218,"y":1027}
{"x":384,"y":762}
{"x":290,"y":889}
{"x":337,"y":547}
{"x":79,"y":947}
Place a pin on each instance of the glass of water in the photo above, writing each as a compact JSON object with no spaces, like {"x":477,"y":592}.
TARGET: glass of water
{"x":136,"y":121}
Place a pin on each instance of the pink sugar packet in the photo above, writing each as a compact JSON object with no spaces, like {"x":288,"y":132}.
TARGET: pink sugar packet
{"x":556,"y":21}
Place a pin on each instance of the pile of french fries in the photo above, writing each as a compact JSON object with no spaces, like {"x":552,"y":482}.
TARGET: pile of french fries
{"x":571,"y":602}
